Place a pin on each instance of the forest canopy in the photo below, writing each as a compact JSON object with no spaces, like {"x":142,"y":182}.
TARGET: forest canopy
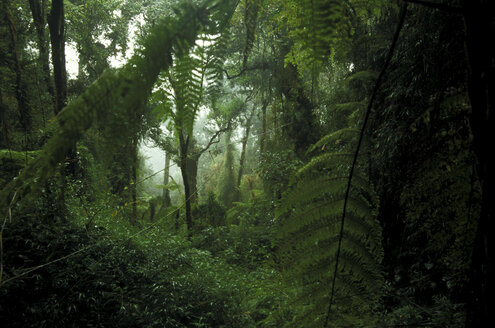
{"x":314,"y":163}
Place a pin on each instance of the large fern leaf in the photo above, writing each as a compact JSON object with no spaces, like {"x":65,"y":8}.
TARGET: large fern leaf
{"x":312,"y":25}
{"x":215,"y":70}
{"x":250,"y":20}
{"x":308,"y":234}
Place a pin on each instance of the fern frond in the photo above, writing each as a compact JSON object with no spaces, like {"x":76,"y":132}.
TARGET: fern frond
{"x":309,"y":190}
{"x":250,"y":21}
{"x":335,"y":138}
{"x":187,"y":81}
{"x":366,"y":77}
{"x":349,"y":107}
{"x":308,"y":236}
{"x":339,"y":160}
{"x":215,"y":70}
{"x":313,"y":25}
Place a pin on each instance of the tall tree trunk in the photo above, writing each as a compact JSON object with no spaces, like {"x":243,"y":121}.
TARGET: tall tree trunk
{"x":226,"y":184}
{"x":166,"y":179}
{"x":20,"y":90}
{"x":184,"y":147}
{"x":192,"y":174}
{"x":242,"y":160}
{"x":479,"y":19}
{"x":57,"y":38}
{"x":39,"y":19}
{"x":133,"y":185}
{"x":263,"y":127}
{"x":4,"y":124}
{"x":298,"y":118}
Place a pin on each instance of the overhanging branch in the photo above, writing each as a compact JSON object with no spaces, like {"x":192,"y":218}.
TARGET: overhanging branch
{"x":213,"y":140}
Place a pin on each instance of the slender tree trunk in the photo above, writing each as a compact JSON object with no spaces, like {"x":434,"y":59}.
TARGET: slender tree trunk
{"x":192,"y":168}
{"x":263,"y":127}
{"x":57,"y":38}
{"x":133,"y":185}
{"x":20,"y":90}
{"x":4,"y":125}
{"x":152,"y":210}
{"x":184,"y":146}
{"x":166,"y":178}
{"x":177,"y":218}
{"x":39,"y":19}
{"x":479,"y":18}
{"x":242,"y":160}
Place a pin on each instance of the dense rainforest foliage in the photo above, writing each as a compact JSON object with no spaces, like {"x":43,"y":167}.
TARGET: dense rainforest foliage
{"x":322,"y":163}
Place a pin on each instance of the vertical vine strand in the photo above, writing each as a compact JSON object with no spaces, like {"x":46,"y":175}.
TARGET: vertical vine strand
{"x":400,"y":24}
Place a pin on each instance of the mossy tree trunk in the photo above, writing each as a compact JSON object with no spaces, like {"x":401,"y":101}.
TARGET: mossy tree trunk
{"x":133,"y":186}
{"x":263,"y":127}
{"x":183,"y":163}
{"x":192,"y":168}
{"x":56,"y":24}
{"x":39,"y":19}
{"x":189,"y":156}
{"x":242,"y":159}
{"x":166,"y":179}
{"x":298,"y":117}
{"x":20,"y":89}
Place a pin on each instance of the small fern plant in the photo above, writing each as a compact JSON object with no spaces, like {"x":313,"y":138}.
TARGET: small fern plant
{"x":307,"y":237}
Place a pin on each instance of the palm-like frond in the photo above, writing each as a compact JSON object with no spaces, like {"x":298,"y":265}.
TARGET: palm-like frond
{"x":307,"y":239}
{"x":250,"y":19}
{"x":313,"y":25}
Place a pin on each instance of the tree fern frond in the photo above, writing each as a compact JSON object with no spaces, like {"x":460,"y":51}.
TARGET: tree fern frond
{"x":363,"y":76}
{"x":335,"y":138}
{"x":321,"y":214}
{"x":309,"y":220}
{"x":318,"y":188}
{"x":349,"y":107}
{"x":187,"y":82}
{"x":312,"y":23}
{"x":250,"y":20}
{"x":338,"y":160}
{"x":215,"y":70}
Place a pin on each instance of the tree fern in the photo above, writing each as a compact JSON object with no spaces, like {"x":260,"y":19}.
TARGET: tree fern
{"x":307,"y":238}
{"x":309,"y":244}
{"x":123,"y":90}
{"x":179,"y":91}
{"x":312,"y":25}
{"x":187,"y":79}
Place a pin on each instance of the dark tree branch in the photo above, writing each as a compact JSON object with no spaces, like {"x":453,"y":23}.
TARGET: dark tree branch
{"x":213,"y":140}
